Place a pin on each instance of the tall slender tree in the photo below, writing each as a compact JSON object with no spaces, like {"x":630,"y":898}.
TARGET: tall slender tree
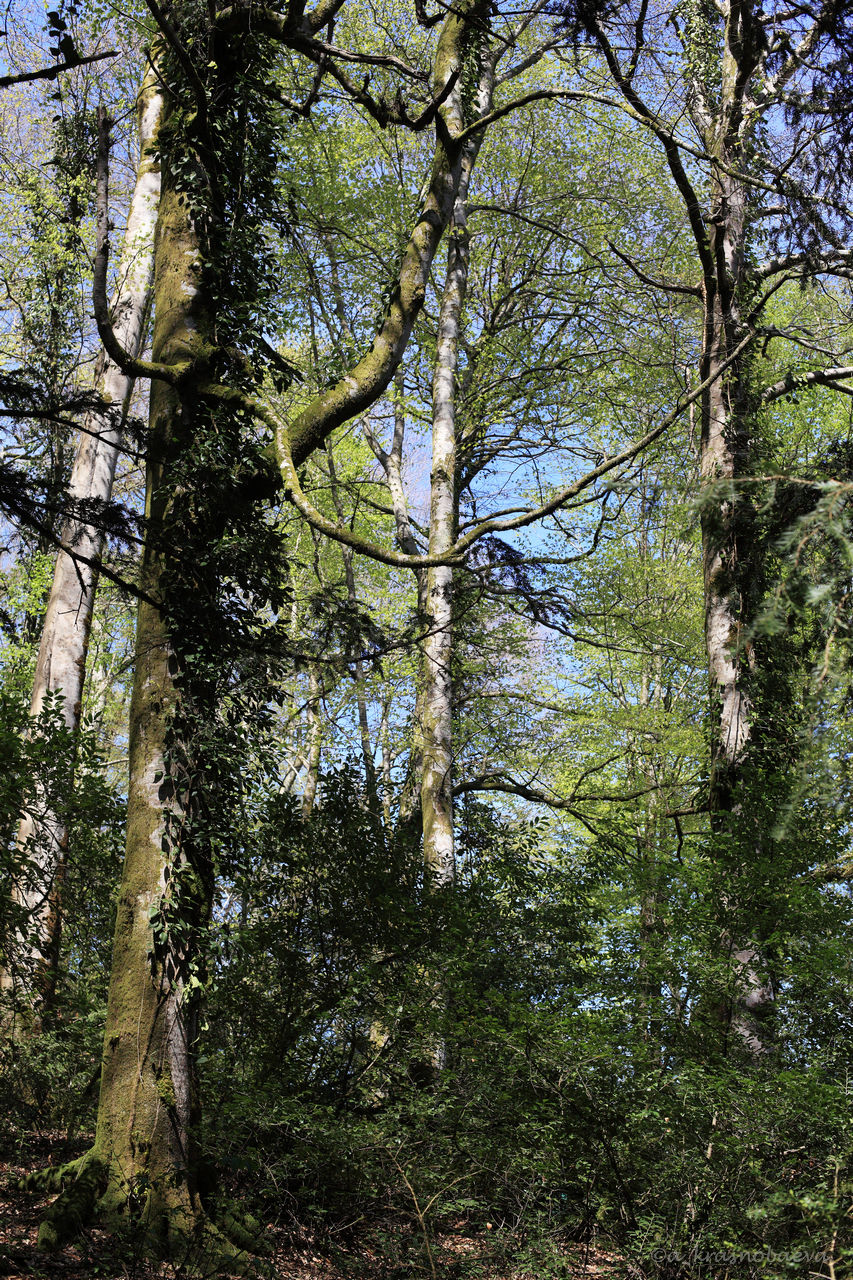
{"x":61,"y":663}
{"x":740,"y":64}
{"x":148,"y":1110}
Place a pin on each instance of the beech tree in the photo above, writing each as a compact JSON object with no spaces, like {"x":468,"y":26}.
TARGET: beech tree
{"x":148,"y":1110}
{"x":737,"y":168}
{"x":443,"y":353}
{"x":61,"y":662}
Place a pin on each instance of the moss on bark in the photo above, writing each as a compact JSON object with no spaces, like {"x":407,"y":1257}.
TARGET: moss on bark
{"x":140,"y":1175}
{"x":160,"y":1216}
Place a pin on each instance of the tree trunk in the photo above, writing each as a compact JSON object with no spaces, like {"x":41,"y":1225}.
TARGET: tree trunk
{"x":733,"y":559}
{"x":315,"y":743}
{"x":437,"y":691}
{"x":385,"y":746}
{"x":61,"y":664}
{"x":367,"y":751}
{"x":436,"y":694}
{"x":728,"y":92}
{"x":148,"y":1102}
{"x":392,"y":465}
{"x":143,"y":1162}
{"x":725,"y":456}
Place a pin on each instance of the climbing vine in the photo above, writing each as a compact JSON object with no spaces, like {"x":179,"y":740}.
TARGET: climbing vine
{"x":222,"y":590}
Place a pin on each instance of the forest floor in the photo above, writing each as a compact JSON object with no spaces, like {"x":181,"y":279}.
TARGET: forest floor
{"x":455,"y":1255}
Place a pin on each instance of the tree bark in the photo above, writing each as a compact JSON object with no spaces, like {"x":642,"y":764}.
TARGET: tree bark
{"x":726,"y":455}
{"x":728,"y":92}
{"x":315,"y":743}
{"x":143,"y":1162}
{"x":733,"y":560}
{"x":61,"y":664}
{"x":436,"y":695}
{"x":367,"y":751}
{"x":392,"y":466}
{"x":148,"y":1102}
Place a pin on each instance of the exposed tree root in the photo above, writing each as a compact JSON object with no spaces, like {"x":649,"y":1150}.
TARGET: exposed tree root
{"x":52,"y":1178}
{"x":82,"y":1184}
{"x":165,"y":1221}
{"x":244,"y":1230}
{"x":202,"y":1247}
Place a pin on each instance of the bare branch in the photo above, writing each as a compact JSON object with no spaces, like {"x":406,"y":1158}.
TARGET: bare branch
{"x":692,"y":291}
{"x":51,"y":73}
{"x":816,"y":377}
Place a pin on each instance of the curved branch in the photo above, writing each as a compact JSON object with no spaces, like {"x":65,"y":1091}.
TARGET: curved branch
{"x":817,"y":377}
{"x":454,"y":555}
{"x":299,"y":36}
{"x":788,"y":262}
{"x":692,"y":291}
{"x":500,"y":782}
{"x":50,"y":73}
{"x":365,"y":382}
{"x":626,"y":455}
{"x":340,"y":533}
{"x":173,"y":374}
{"x":322,"y":14}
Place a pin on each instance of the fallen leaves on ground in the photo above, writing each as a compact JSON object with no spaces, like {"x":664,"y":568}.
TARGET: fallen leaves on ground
{"x":96,"y":1255}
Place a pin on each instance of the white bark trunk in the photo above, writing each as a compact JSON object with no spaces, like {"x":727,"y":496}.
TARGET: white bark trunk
{"x":312,"y":771}
{"x":729,"y":549}
{"x":392,"y":465}
{"x":435,"y":697}
{"x":61,"y":664}
{"x":385,"y":745}
{"x":436,"y":694}
{"x":724,"y":457}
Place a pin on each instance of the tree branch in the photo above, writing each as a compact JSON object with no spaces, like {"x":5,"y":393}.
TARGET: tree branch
{"x":692,"y":291}
{"x":51,"y":73}
{"x":817,"y":377}
{"x":172,"y":374}
{"x":365,"y":382}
